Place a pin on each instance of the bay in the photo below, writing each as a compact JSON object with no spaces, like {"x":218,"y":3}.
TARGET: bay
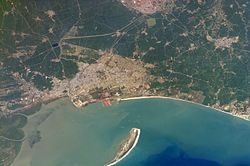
{"x":172,"y":133}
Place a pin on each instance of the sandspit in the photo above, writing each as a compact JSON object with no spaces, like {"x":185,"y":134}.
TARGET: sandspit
{"x":126,"y":147}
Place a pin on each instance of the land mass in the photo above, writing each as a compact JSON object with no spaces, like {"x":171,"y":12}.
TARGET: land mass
{"x":184,"y":50}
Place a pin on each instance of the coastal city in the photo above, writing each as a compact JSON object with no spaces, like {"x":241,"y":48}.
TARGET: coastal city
{"x":89,"y":67}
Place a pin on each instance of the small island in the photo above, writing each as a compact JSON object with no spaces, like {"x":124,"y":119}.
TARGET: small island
{"x":126,"y":147}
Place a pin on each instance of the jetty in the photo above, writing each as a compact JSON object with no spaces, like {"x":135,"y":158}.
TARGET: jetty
{"x":126,"y":147}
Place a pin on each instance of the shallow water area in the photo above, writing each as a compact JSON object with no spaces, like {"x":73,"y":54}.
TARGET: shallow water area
{"x":172,"y":132}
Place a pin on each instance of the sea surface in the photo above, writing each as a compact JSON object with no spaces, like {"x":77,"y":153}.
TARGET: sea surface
{"x":173,"y":133}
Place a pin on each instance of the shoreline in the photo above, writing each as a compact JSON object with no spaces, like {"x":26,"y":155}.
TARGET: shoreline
{"x":176,"y":99}
{"x":86,"y":103}
{"x":34,"y":104}
{"x":126,"y":143}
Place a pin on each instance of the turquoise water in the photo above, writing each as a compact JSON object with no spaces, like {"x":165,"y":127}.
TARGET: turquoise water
{"x":172,"y":133}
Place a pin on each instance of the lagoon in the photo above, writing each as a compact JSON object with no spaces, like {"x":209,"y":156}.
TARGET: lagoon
{"x":172,"y":133}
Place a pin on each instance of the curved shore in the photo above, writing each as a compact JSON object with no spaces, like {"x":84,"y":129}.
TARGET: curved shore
{"x":15,"y":140}
{"x":126,"y":147}
{"x":171,"y":98}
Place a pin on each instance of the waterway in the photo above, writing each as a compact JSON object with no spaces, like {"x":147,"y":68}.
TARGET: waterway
{"x":172,"y":133}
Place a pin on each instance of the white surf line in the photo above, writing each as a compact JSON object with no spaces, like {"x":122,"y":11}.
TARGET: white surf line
{"x":135,"y":142}
{"x":171,"y":98}
{"x":14,"y":140}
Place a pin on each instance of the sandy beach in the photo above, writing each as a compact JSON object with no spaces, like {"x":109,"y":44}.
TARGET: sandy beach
{"x":163,"y":97}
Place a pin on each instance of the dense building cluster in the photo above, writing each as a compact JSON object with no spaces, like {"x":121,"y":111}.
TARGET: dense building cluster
{"x":146,"y":6}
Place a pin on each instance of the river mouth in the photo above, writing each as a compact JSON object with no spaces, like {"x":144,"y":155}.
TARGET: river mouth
{"x":179,"y":131}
